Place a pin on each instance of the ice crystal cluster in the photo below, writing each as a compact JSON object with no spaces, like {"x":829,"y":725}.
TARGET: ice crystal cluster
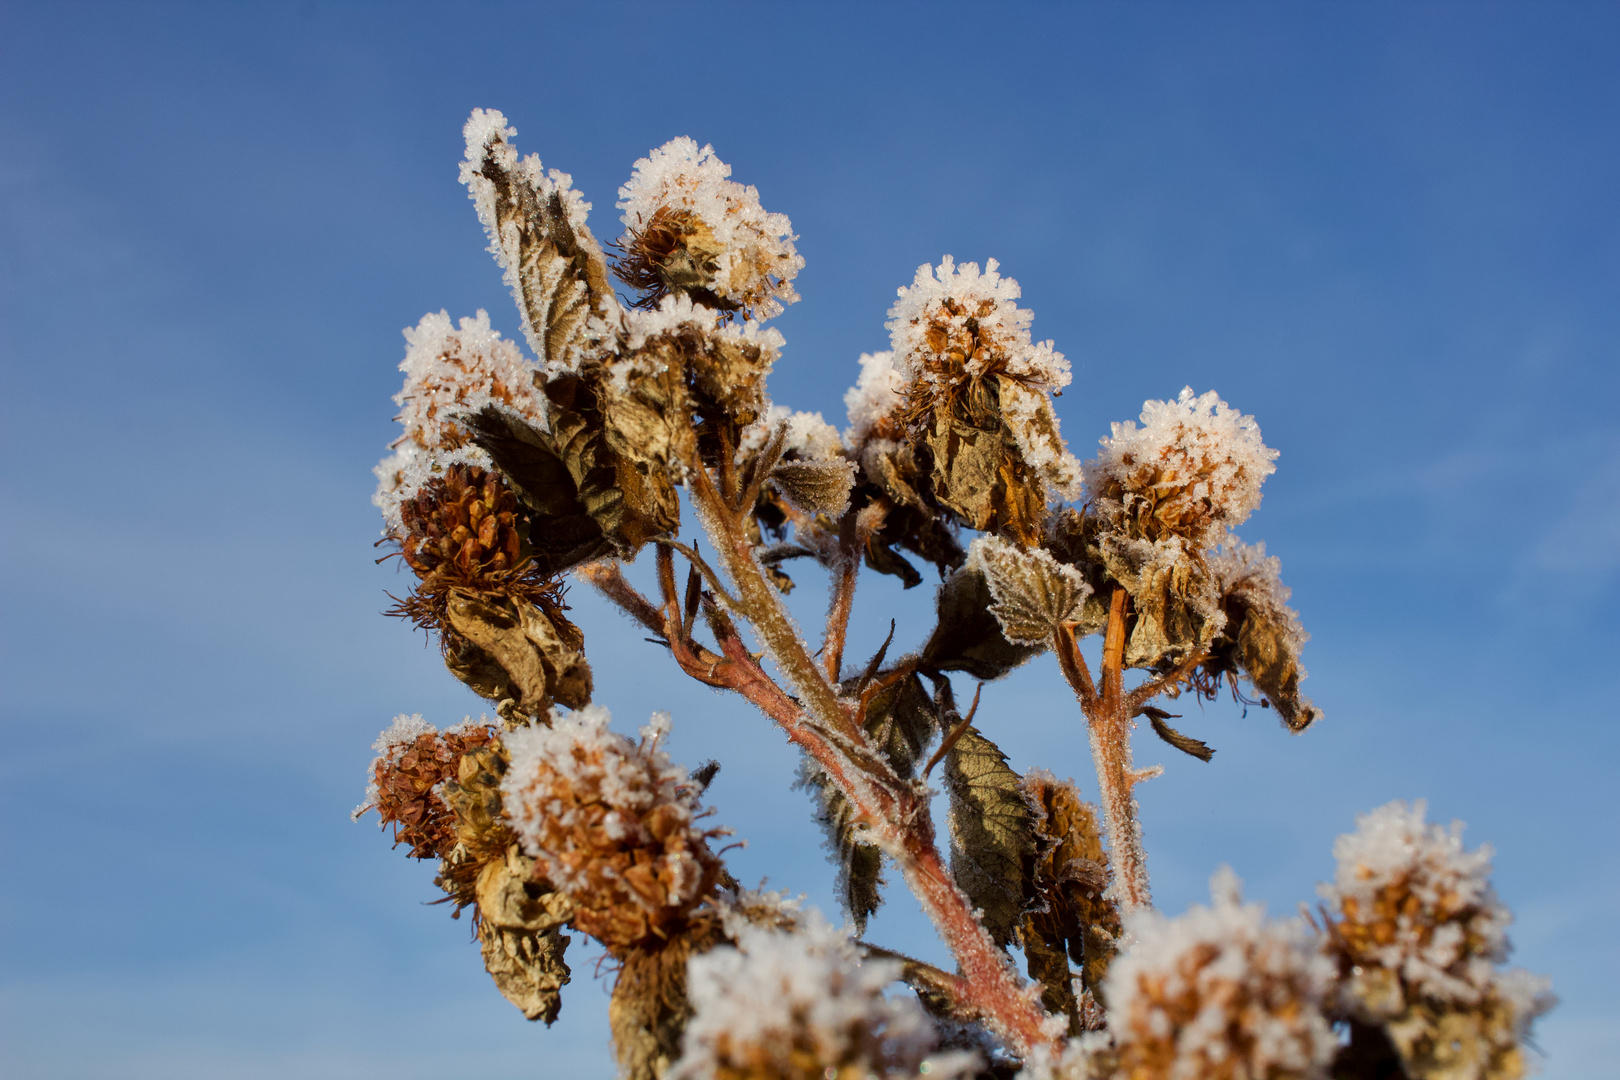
{"x":805,"y":1005}
{"x":530,"y":466}
{"x":1221,"y":993}
{"x":1422,"y":933}
{"x":613,"y":823}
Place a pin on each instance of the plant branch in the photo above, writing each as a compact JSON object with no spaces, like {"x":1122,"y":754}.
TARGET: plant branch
{"x":1154,"y":687}
{"x":845,"y":575}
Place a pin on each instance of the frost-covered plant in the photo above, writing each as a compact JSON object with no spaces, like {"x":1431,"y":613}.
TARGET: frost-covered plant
{"x":517,"y":471}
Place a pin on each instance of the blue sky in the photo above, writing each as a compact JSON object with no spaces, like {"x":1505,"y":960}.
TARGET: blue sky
{"x":1388,"y":231}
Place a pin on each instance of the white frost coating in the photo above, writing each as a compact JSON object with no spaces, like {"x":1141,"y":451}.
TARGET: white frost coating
{"x":1255,"y":989}
{"x":809,"y":991}
{"x":808,"y":435}
{"x":677,"y":310}
{"x":876,"y":395}
{"x":1197,"y":454}
{"x":580,"y":751}
{"x":489,"y":138}
{"x":1246,"y":568}
{"x":1448,"y":947}
{"x":450,"y":371}
{"x":755,"y":256}
{"x":401,"y":475}
{"x":956,"y":322}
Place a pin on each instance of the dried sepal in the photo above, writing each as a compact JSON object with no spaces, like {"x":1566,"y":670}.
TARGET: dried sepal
{"x":992,"y":833}
{"x":1034,"y":594}
{"x":1071,"y":918}
{"x":967,"y":637}
{"x":1185,"y":743}
{"x":537,"y":232}
{"x":1262,"y":636}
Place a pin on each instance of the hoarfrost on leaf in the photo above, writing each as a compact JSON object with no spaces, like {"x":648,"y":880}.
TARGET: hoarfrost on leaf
{"x":1034,"y":594}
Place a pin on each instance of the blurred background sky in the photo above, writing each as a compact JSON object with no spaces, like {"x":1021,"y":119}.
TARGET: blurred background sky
{"x":1388,"y":231}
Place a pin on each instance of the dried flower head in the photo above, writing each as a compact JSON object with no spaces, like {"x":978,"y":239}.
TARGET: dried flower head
{"x":689,"y":229}
{"x":613,"y":823}
{"x":1193,"y":470}
{"x":804,"y":1005}
{"x":413,"y":761}
{"x":964,"y":348}
{"x":876,"y":402}
{"x":1420,"y":932}
{"x":1220,"y":993}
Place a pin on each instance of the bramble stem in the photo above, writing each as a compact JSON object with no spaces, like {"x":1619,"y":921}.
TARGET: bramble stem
{"x":894,"y":812}
{"x":1108,"y":722}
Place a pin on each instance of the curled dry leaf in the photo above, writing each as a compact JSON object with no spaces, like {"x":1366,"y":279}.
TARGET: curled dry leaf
{"x":1033,"y":593}
{"x":1185,"y":743}
{"x":1071,"y":919}
{"x":520,"y":652}
{"x":520,"y":923}
{"x":992,"y":833}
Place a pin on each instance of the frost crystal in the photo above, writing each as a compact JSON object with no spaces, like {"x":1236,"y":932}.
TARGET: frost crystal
{"x":804,"y":1005}
{"x":613,"y":823}
{"x":1220,"y":993}
{"x":875,"y":399}
{"x":689,"y":228}
{"x":1193,"y":469}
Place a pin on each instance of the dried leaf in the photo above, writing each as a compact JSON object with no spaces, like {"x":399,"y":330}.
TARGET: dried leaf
{"x":992,"y":833}
{"x":1185,"y":743}
{"x":1070,"y":916}
{"x":980,"y":475}
{"x":1034,"y":594}
{"x":967,"y":637}
{"x":1266,"y":653}
{"x":1172,"y":592}
{"x":816,"y":487}
{"x":553,"y":263}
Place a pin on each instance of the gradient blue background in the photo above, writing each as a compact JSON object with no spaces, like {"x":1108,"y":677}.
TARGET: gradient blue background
{"x":1389,"y":231}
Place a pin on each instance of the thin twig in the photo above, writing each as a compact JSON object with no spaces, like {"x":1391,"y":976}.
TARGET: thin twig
{"x":1153,"y":688}
{"x":843,"y":596}
{"x":606,"y":577}
{"x":709,"y":575}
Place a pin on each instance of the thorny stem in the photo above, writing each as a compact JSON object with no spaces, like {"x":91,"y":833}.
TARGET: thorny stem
{"x":1108,"y":721}
{"x":894,"y":812}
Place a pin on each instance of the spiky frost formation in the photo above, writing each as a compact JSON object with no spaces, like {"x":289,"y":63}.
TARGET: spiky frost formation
{"x":962,"y":343}
{"x":1420,"y":931}
{"x":404,"y":780}
{"x":804,"y":1005}
{"x":809,"y":437}
{"x":613,"y":823}
{"x":1220,"y":993}
{"x":875,"y":401}
{"x":1193,"y":470}
{"x":690,"y":229}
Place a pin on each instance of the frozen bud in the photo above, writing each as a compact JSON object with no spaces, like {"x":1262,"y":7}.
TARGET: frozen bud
{"x":1420,"y":931}
{"x":804,"y":1005}
{"x":689,"y":229}
{"x":1220,"y":993}
{"x":1192,"y":470}
{"x":978,"y":397}
{"x":414,"y":759}
{"x":1262,"y":636}
{"x":613,"y":823}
